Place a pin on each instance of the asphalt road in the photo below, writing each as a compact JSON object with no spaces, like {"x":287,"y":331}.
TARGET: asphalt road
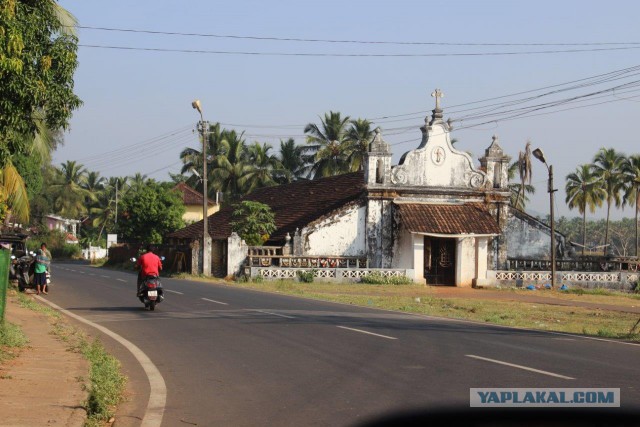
{"x":244,"y":358}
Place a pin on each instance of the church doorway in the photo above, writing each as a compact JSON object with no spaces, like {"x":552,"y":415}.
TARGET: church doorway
{"x":440,"y":261}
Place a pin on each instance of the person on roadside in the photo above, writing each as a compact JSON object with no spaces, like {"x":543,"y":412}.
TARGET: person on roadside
{"x":40,"y":270}
{"x":149,"y":264}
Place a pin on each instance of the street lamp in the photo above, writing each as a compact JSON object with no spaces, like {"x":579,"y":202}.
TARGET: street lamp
{"x":538,"y":154}
{"x":203,"y":128}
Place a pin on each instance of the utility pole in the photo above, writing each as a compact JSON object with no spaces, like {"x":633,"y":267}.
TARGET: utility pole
{"x":203,"y":128}
{"x":538,"y":154}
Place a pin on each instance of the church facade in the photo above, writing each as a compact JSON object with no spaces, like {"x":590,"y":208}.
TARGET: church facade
{"x":435,"y":215}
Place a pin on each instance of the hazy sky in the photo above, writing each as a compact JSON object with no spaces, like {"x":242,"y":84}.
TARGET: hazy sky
{"x":137,"y":115}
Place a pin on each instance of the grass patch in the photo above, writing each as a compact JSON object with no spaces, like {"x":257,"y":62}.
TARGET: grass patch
{"x":379,"y":279}
{"x":27,"y":302}
{"x":11,"y":339}
{"x":107,"y":384}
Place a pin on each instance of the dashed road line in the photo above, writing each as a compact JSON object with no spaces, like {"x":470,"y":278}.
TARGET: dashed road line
{"x":368,"y":333}
{"x":121,"y":280}
{"x":274,"y":314}
{"x":106,"y":277}
{"x":173,"y":292}
{"x":212,"y":300}
{"x":525,"y":368}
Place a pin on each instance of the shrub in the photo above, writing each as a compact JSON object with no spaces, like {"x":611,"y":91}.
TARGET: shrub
{"x":306,"y":276}
{"x":379,"y":279}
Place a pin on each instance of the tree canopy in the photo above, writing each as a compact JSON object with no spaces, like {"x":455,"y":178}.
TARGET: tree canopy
{"x":253,"y":221}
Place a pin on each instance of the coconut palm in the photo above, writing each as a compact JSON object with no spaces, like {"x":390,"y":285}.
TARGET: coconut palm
{"x":14,"y":201}
{"x":192,"y":158}
{"x":631,"y":170}
{"x":262,"y":168}
{"x":584,"y":190}
{"x":524,"y":170}
{"x":516,"y":188}
{"x":358,"y":138}
{"x":294,"y":161}
{"x":328,"y":144}
{"x":229,"y":166}
{"x":607,"y":166}
{"x":70,"y":196}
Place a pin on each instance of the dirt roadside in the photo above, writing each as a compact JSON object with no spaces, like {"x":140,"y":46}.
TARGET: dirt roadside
{"x":43,"y":386}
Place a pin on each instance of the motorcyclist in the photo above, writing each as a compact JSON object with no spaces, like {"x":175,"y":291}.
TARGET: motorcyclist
{"x":149,"y":264}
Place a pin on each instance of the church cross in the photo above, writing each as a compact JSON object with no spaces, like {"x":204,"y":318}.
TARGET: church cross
{"x":437,"y":94}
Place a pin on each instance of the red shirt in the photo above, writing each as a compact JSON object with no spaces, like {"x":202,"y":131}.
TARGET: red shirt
{"x":150,"y":264}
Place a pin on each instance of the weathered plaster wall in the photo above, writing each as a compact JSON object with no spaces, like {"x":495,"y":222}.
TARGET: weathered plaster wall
{"x":526,"y":239}
{"x":341,"y":233}
{"x":403,"y":250}
{"x":465,"y":261}
{"x":236,"y":254}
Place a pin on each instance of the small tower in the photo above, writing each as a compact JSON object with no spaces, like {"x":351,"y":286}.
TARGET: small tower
{"x":377,"y":162}
{"x":496,"y":165}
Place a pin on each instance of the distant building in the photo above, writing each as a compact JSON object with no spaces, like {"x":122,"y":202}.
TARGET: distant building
{"x":64,"y":225}
{"x":193,"y":204}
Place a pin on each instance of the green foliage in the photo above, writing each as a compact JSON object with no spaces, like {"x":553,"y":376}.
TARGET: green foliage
{"x":107,"y":383}
{"x":30,"y":169}
{"x":253,"y":221}
{"x":150,"y":211}
{"x":379,"y":279}
{"x":56,"y":244}
{"x":37,"y":62}
{"x":306,"y":276}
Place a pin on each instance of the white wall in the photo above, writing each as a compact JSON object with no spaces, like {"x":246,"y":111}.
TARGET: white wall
{"x":341,"y":234}
{"x":465,"y":261}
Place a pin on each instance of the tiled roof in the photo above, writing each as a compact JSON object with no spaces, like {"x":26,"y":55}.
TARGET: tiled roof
{"x":191,"y":196}
{"x":470,"y":218}
{"x":295,"y":205}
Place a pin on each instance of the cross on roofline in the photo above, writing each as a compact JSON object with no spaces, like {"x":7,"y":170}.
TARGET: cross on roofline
{"x":437,"y":94}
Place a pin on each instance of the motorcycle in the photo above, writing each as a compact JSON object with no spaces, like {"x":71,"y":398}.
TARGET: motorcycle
{"x":22,"y":270}
{"x":150,"y":292}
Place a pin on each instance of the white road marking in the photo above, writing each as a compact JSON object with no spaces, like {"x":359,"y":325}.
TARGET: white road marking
{"x":526,"y":368}
{"x":173,"y":292}
{"x":275,"y":314}
{"x":121,"y":280}
{"x":369,"y":333}
{"x":73,"y":271}
{"x":106,"y":277}
{"x":158,"y":389}
{"x":217,"y":302}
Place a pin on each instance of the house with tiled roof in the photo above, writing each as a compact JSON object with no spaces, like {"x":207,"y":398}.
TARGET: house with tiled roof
{"x":193,"y":203}
{"x":435,"y":216}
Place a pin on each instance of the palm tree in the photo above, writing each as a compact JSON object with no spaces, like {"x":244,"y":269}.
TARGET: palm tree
{"x":584,"y":190}
{"x":229,"y":166}
{"x":69,"y":193}
{"x":358,"y":138}
{"x":516,"y":188}
{"x":138,"y":180}
{"x":104,"y":214}
{"x":525,"y":170}
{"x":192,"y":158}
{"x":94,"y":184}
{"x":14,"y":201}
{"x":631,"y":170}
{"x":294,"y":161}
{"x":263,"y":168}
{"x":328,"y":143}
{"x":607,"y":166}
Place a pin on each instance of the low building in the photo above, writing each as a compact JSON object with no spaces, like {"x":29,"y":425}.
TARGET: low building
{"x":193,"y":204}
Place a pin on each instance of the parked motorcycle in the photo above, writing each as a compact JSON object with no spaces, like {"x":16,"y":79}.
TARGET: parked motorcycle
{"x":150,"y":292}
{"x":22,"y":270}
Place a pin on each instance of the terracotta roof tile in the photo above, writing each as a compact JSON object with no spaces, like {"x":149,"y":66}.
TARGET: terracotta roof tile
{"x":191,"y":196}
{"x":470,"y":218}
{"x":294,"y":205}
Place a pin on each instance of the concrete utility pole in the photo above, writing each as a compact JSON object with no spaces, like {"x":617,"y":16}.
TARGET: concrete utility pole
{"x":538,"y":154}
{"x":203,"y":128}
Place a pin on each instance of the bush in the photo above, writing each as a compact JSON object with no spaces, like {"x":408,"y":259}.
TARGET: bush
{"x":56,"y":244}
{"x":306,"y":276}
{"x":379,"y":279}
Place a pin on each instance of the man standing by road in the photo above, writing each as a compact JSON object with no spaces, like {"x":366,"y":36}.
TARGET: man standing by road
{"x":149,"y":264}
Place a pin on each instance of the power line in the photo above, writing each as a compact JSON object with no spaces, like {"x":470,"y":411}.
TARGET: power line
{"x":356,"y":55}
{"x":372,"y":42}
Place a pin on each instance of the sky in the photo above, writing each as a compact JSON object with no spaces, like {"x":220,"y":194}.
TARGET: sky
{"x":137,"y":114}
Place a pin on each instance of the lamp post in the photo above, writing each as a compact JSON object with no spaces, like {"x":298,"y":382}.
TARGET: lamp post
{"x":538,"y":154}
{"x":203,"y":128}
